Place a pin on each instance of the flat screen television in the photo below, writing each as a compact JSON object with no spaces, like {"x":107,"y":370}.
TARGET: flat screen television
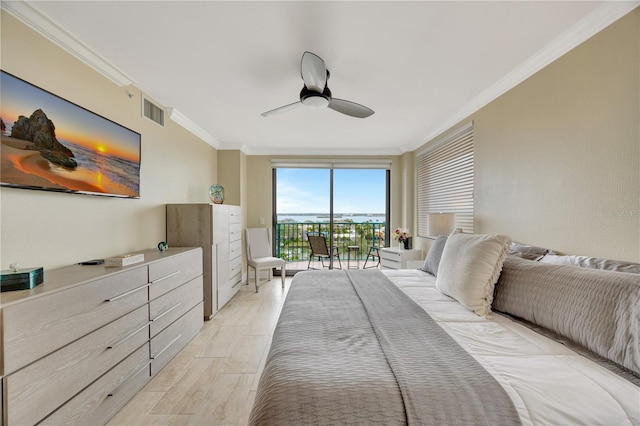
{"x":49,"y":143}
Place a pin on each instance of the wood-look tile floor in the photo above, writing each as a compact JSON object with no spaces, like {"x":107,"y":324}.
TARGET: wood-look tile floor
{"x":213,"y":380}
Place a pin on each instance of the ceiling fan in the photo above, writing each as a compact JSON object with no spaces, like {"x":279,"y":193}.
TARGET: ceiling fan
{"x":316,"y":94}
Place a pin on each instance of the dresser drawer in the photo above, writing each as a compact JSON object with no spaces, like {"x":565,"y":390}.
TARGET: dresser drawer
{"x":167,"y":308}
{"x":393,"y":256}
{"x":235,"y":232}
{"x":169,"y":273}
{"x":41,"y":325}
{"x":390,"y":264}
{"x":38,"y":389}
{"x":174,"y":338}
{"x":228,"y":290}
{"x":235,"y":266}
{"x":99,"y":402}
{"x":235,"y":214}
{"x":235,"y":249}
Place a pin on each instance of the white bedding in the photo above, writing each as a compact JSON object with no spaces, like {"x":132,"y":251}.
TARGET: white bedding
{"x":548,"y":382}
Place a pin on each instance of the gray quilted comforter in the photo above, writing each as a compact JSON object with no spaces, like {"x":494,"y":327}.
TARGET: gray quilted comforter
{"x":352,"y":348}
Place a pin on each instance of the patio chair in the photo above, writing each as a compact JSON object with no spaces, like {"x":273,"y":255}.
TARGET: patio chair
{"x":374,"y":253}
{"x":320,"y":250}
{"x":260,"y":256}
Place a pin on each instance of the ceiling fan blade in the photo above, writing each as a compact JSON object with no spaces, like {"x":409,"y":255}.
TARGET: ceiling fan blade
{"x":350,"y":108}
{"x":313,"y":71}
{"x":282,"y":109}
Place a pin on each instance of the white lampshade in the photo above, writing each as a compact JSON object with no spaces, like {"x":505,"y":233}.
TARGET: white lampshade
{"x":440,"y":224}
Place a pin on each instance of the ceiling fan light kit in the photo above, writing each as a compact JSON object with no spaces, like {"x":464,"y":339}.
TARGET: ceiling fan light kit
{"x":316,"y":94}
{"x":312,"y":99}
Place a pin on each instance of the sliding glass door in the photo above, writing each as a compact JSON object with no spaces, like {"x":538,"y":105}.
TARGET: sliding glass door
{"x":346,"y":207}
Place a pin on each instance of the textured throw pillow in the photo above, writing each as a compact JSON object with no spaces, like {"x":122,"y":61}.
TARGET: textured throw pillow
{"x":597,"y":309}
{"x":432,"y":261}
{"x":470,"y":267}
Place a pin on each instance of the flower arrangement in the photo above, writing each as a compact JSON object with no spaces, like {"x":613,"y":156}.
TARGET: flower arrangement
{"x":401,"y":235}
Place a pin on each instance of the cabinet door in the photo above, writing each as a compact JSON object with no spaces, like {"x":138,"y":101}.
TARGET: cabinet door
{"x":220,"y":223}
{"x":222,"y":263}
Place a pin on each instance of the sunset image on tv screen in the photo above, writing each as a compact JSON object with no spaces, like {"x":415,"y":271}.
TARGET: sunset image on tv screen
{"x":50,"y":143}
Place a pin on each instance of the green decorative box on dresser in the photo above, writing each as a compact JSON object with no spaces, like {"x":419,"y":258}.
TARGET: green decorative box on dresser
{"x":76,"y":348}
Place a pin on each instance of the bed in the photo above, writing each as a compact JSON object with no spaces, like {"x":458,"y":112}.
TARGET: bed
{"x":390,"y":347}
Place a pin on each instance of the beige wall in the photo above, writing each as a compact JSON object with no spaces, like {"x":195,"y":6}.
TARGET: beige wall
{"x":557,"y":158}
{"x":231,"y":175}
{"x":55,"y":229}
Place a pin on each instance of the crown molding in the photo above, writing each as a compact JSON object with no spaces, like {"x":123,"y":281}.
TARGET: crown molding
{"x":40,"y":23}
{"x":185,"y":122}
{"x":603,"y":16}
{"x":242,"y":147}
{"x":319,"y":151}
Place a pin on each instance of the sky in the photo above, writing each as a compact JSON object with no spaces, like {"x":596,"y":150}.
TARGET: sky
{"x":73,"y":123}
{"x":307,"y":190}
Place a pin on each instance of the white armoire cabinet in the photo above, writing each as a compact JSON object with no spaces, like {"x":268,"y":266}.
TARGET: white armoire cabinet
{"x":217,"y":228}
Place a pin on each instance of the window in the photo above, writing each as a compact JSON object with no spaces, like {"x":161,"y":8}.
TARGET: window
{"x":345,"y":200}
{"x":444,"y":173}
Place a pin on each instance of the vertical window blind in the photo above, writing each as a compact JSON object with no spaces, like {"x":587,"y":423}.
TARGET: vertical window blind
{"x":445,"y":179}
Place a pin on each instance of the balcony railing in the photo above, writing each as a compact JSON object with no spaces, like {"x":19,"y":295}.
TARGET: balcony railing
{"x":292,"y":245}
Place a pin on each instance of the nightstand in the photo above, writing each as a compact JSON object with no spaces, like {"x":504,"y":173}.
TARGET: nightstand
{"x":394,"y":258}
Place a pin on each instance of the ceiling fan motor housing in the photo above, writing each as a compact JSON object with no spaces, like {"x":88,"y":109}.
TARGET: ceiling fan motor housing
{"x":313,"y":99}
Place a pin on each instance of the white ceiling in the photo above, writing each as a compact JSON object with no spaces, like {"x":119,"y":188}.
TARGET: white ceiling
{"x":421,"y":66}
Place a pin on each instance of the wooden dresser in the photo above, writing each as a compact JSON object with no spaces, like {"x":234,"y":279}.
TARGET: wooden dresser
{"x":77,"y":347}
{"x":217,"y":228}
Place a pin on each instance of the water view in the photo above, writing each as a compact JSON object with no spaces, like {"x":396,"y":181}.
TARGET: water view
{"x":323,"y":217}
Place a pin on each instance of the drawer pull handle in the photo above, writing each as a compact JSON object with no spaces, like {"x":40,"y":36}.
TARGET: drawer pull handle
{"x":128,"y":379}
{"x":128,"y":336}
{"x":165,"y":277}
{"x":166,"y":347}
{"x":125,"y":294}
{"x":165,"y":312}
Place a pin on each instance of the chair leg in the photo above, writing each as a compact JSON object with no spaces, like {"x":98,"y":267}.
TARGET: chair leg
{"x":283,"y":274}
{"x":256,"y":277}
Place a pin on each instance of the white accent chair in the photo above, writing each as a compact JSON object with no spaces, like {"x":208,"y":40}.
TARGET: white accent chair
{"x":260,"y":255}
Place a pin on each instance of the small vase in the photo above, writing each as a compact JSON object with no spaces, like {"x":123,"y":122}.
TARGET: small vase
{"x":216,"y":193}
{"x":407,"y":244}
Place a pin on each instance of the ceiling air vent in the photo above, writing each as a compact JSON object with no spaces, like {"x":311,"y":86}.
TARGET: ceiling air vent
{"x":152,"y":111}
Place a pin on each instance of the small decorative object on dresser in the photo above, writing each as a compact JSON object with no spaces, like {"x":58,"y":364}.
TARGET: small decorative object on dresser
{"x":216,"y":193}
{"x":17,"y":278}
{"x":162,"y":246}
{"x":124,"y":260}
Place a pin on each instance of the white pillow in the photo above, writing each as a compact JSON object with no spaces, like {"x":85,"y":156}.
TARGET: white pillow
{"x":470,"y":267}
